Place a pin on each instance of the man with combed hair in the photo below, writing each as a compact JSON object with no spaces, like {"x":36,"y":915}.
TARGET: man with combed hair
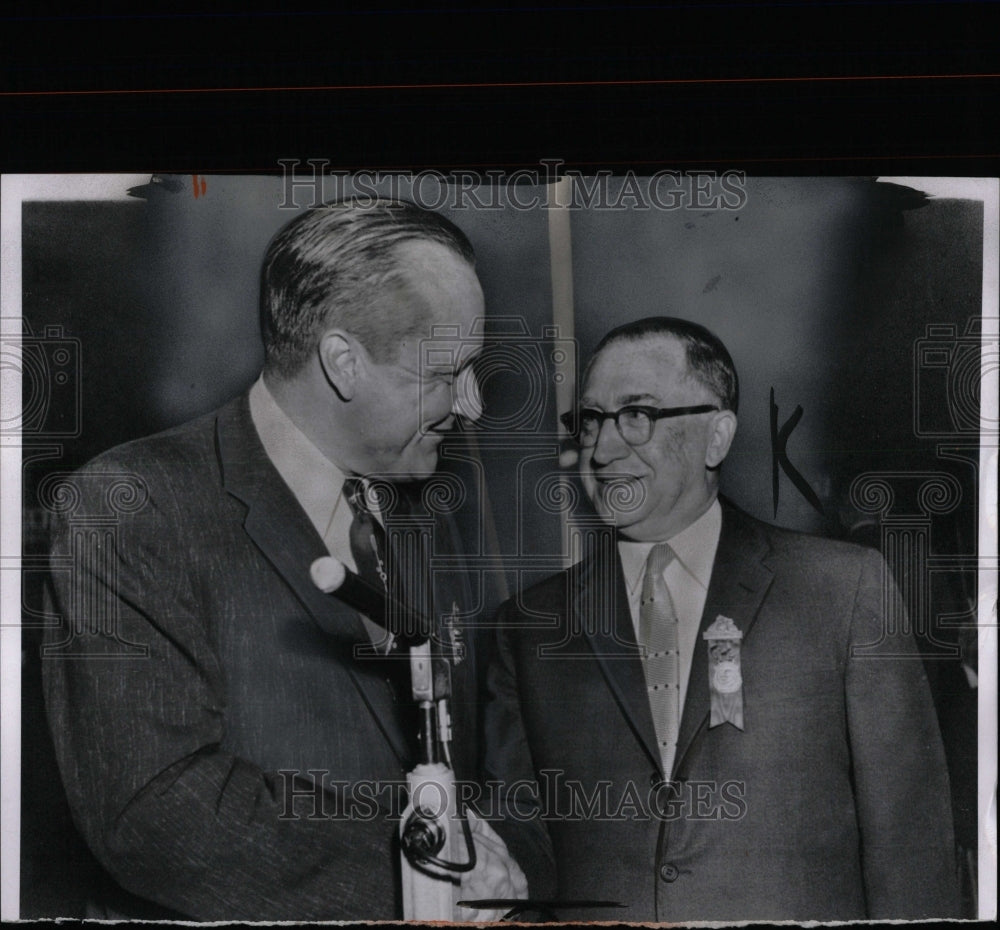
{"x":231,"y":738}
{"x":724,"y":720}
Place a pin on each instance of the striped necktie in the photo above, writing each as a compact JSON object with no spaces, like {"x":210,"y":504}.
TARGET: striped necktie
{"x":658,"y":634}
{"x":368,"y":541}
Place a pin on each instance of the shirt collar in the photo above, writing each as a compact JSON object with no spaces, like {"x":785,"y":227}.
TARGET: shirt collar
{"x":314,"y":480}
{"x":694,"y":547}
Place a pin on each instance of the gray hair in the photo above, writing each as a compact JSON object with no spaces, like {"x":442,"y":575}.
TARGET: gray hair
{"x":329,"y":265}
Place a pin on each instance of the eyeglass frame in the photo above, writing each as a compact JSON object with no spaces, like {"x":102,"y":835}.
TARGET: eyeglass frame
{"x":574,"y":418}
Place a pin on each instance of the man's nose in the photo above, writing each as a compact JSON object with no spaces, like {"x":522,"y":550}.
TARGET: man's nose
{"x":467,"y":401}
{"x":609,"y":446}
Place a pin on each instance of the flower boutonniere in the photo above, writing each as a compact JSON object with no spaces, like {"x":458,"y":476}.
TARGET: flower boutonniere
{"x":725,"y":680}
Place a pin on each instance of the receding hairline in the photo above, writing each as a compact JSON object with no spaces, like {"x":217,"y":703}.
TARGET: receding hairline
{"x":643,"y":340}
{"x":400,"y":277}
{"x":681,"y":340}
{"x":442,"y":251}
{"x":325,"y":266}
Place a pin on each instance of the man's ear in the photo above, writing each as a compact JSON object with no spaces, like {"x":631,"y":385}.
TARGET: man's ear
{"x":721,"y":438}
{"x":340,"y":357}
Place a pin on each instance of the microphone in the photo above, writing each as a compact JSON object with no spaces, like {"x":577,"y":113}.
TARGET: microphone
{"x":428,"y":840}
{"x":332,"y":576}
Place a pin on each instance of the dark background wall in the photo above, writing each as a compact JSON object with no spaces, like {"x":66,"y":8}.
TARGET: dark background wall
{"x":821,"y":288}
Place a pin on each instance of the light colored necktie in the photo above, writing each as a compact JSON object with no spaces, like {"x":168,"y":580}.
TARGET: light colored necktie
{"x":658,"y":633}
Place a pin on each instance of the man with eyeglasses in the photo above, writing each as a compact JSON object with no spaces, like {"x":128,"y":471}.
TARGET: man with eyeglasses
{"x":710,"y":718}
{"x":233,"y":741}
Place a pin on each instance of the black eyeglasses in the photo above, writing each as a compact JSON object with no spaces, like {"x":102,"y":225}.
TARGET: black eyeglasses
{"x":635,"y":423}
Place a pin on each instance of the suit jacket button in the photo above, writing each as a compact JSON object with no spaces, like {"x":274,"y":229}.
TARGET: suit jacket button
{"x":655,"y":780}
{"x":668,"y":872}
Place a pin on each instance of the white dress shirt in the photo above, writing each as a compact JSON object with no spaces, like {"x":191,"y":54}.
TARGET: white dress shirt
{"x":687,"y":577}
{"x":316,"y":482}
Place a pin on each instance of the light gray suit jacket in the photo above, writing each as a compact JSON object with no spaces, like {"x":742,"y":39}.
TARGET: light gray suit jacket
{"x":833,"y":801}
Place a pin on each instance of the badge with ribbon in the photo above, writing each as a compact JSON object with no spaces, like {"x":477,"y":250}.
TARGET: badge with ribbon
{"x":455,"y":642}
{"x":725,"y":681}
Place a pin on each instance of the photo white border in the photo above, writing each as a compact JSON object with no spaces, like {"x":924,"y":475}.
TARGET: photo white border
{"x":15,"y":189}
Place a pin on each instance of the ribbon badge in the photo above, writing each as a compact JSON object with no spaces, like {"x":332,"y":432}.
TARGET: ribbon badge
{"x":456,"y":643}
{"x":725,"y":681}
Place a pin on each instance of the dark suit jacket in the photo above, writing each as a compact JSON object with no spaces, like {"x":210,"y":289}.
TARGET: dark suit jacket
{"x":833,"y":801}
{"x":198,"y":686}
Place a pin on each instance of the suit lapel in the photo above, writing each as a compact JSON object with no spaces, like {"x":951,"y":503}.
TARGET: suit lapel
{"x":281,"y":530}
{"x":612,"y":640}
{"x":739,"y":582}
